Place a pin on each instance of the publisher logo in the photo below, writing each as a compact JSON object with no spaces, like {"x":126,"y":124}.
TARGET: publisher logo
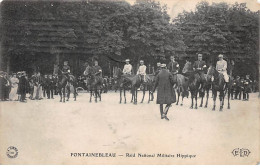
{"x":241,"y":152}
{"x":12,"y":152}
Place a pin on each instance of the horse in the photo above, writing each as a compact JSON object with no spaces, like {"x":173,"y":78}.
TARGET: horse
{"x":218,"y":85}
{"x":194,"y":84}
{"x":94,"y":83}
{"x":71,"y":82}
{"x":124,"y":82}
{"x":181,"y":88}
{"x":61,"y":85}
{"x":148,"y":84}
{"x":65,"y":83}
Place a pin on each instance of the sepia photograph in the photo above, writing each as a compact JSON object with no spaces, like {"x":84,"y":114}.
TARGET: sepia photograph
{"x":129,"y":82}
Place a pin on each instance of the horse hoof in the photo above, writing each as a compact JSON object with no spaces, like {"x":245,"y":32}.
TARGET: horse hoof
{"x":213,"y":109}
{"x":181,"y":104}
{"x":205,"y":106}
{"x":176,"y":104}
{"x":119,"y":102}
{"x":228,"y":108}
{"x":220,"y":110}
{"x":125,"y":102}
{"x":191,"y":107}
{"x":196,"y":107}
{"x":201,"y":105}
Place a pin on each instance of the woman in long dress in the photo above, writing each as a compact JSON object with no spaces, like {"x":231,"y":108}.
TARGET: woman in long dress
{"x":14,"y":82}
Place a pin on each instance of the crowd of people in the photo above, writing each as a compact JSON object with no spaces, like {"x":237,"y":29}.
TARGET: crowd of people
{"x":15,"y":87}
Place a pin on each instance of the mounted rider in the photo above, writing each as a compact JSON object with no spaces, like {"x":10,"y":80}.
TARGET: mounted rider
{"x":97,"y":69}
{"x":142,"y":71}
{"x":127,"y":68}
{"x":199,"y":67}
{"x":66,"y":69}
{"x":174,"y":68}
{"x":221,"y":67}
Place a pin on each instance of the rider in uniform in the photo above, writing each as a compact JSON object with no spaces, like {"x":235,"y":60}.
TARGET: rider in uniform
{"x":174,"y":68}
{"x":199,"y":67}
{"x":127,"y":68}
{"x":66,"y":69}
{"x":97,"y":69}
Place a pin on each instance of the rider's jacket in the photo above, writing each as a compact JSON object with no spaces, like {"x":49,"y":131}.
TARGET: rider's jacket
{"x":97,"y":70}
{"x":199,"y":65}
{"x":66,"y":69}
{"x":173,"y":67}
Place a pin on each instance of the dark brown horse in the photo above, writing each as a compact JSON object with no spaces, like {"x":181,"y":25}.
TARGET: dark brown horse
{"x":94,"y":83}
{"x":64,"y":82}
{"x":218,"y":85}
{"x":148,"y":85}
{"x":182,"y":88}
{"x":124,"y":82}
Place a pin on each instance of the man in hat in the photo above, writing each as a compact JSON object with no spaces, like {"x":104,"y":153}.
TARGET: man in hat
{"x":199,"y":67}
{"x":165,"y":92}
{"x":174,"y":68}
{"x":142,"y":71}
{"x":221,"y":67}
{"x":127,"y":68}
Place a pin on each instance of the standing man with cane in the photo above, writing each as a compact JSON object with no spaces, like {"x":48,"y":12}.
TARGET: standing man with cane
{"x":165,"y":93}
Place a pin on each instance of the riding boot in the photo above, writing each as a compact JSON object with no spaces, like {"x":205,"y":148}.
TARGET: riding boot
{"x":161,"y":111}
{"x":166,"y":111}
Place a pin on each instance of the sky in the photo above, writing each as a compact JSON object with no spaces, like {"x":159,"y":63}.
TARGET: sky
{"x":177,"y":6}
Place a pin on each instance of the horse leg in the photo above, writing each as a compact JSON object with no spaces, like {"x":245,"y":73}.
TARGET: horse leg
{"x":64,"y":94}
{"x":178,"y":93}
{"x":196,"y":96}
{"x":182,"y":97}
{"x":206,"y":105}
{"x":75,"y":93}
{"x":90,"y":99}
{"x":96,"y":94}
{"x":149,"y":95}
{"x":120,"y":91}
{"x":214,"y":94}
{"x":135,"y":95}
{"x":191,"y":107}
{"x":228,"y":99}
{"x":68,"y":93}
{"x":124,"y":96}
{"x":143,"y":95}
{"x":60,"y":93}
{"x":132,"y":91}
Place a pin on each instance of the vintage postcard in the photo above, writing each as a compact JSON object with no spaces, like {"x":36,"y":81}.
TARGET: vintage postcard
{"x":129,"y":82}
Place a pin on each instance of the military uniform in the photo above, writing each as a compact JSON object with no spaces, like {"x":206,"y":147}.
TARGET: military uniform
{"x":97,"y":70}
{"x":199,"y":67}
{"x":174,"y":68}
